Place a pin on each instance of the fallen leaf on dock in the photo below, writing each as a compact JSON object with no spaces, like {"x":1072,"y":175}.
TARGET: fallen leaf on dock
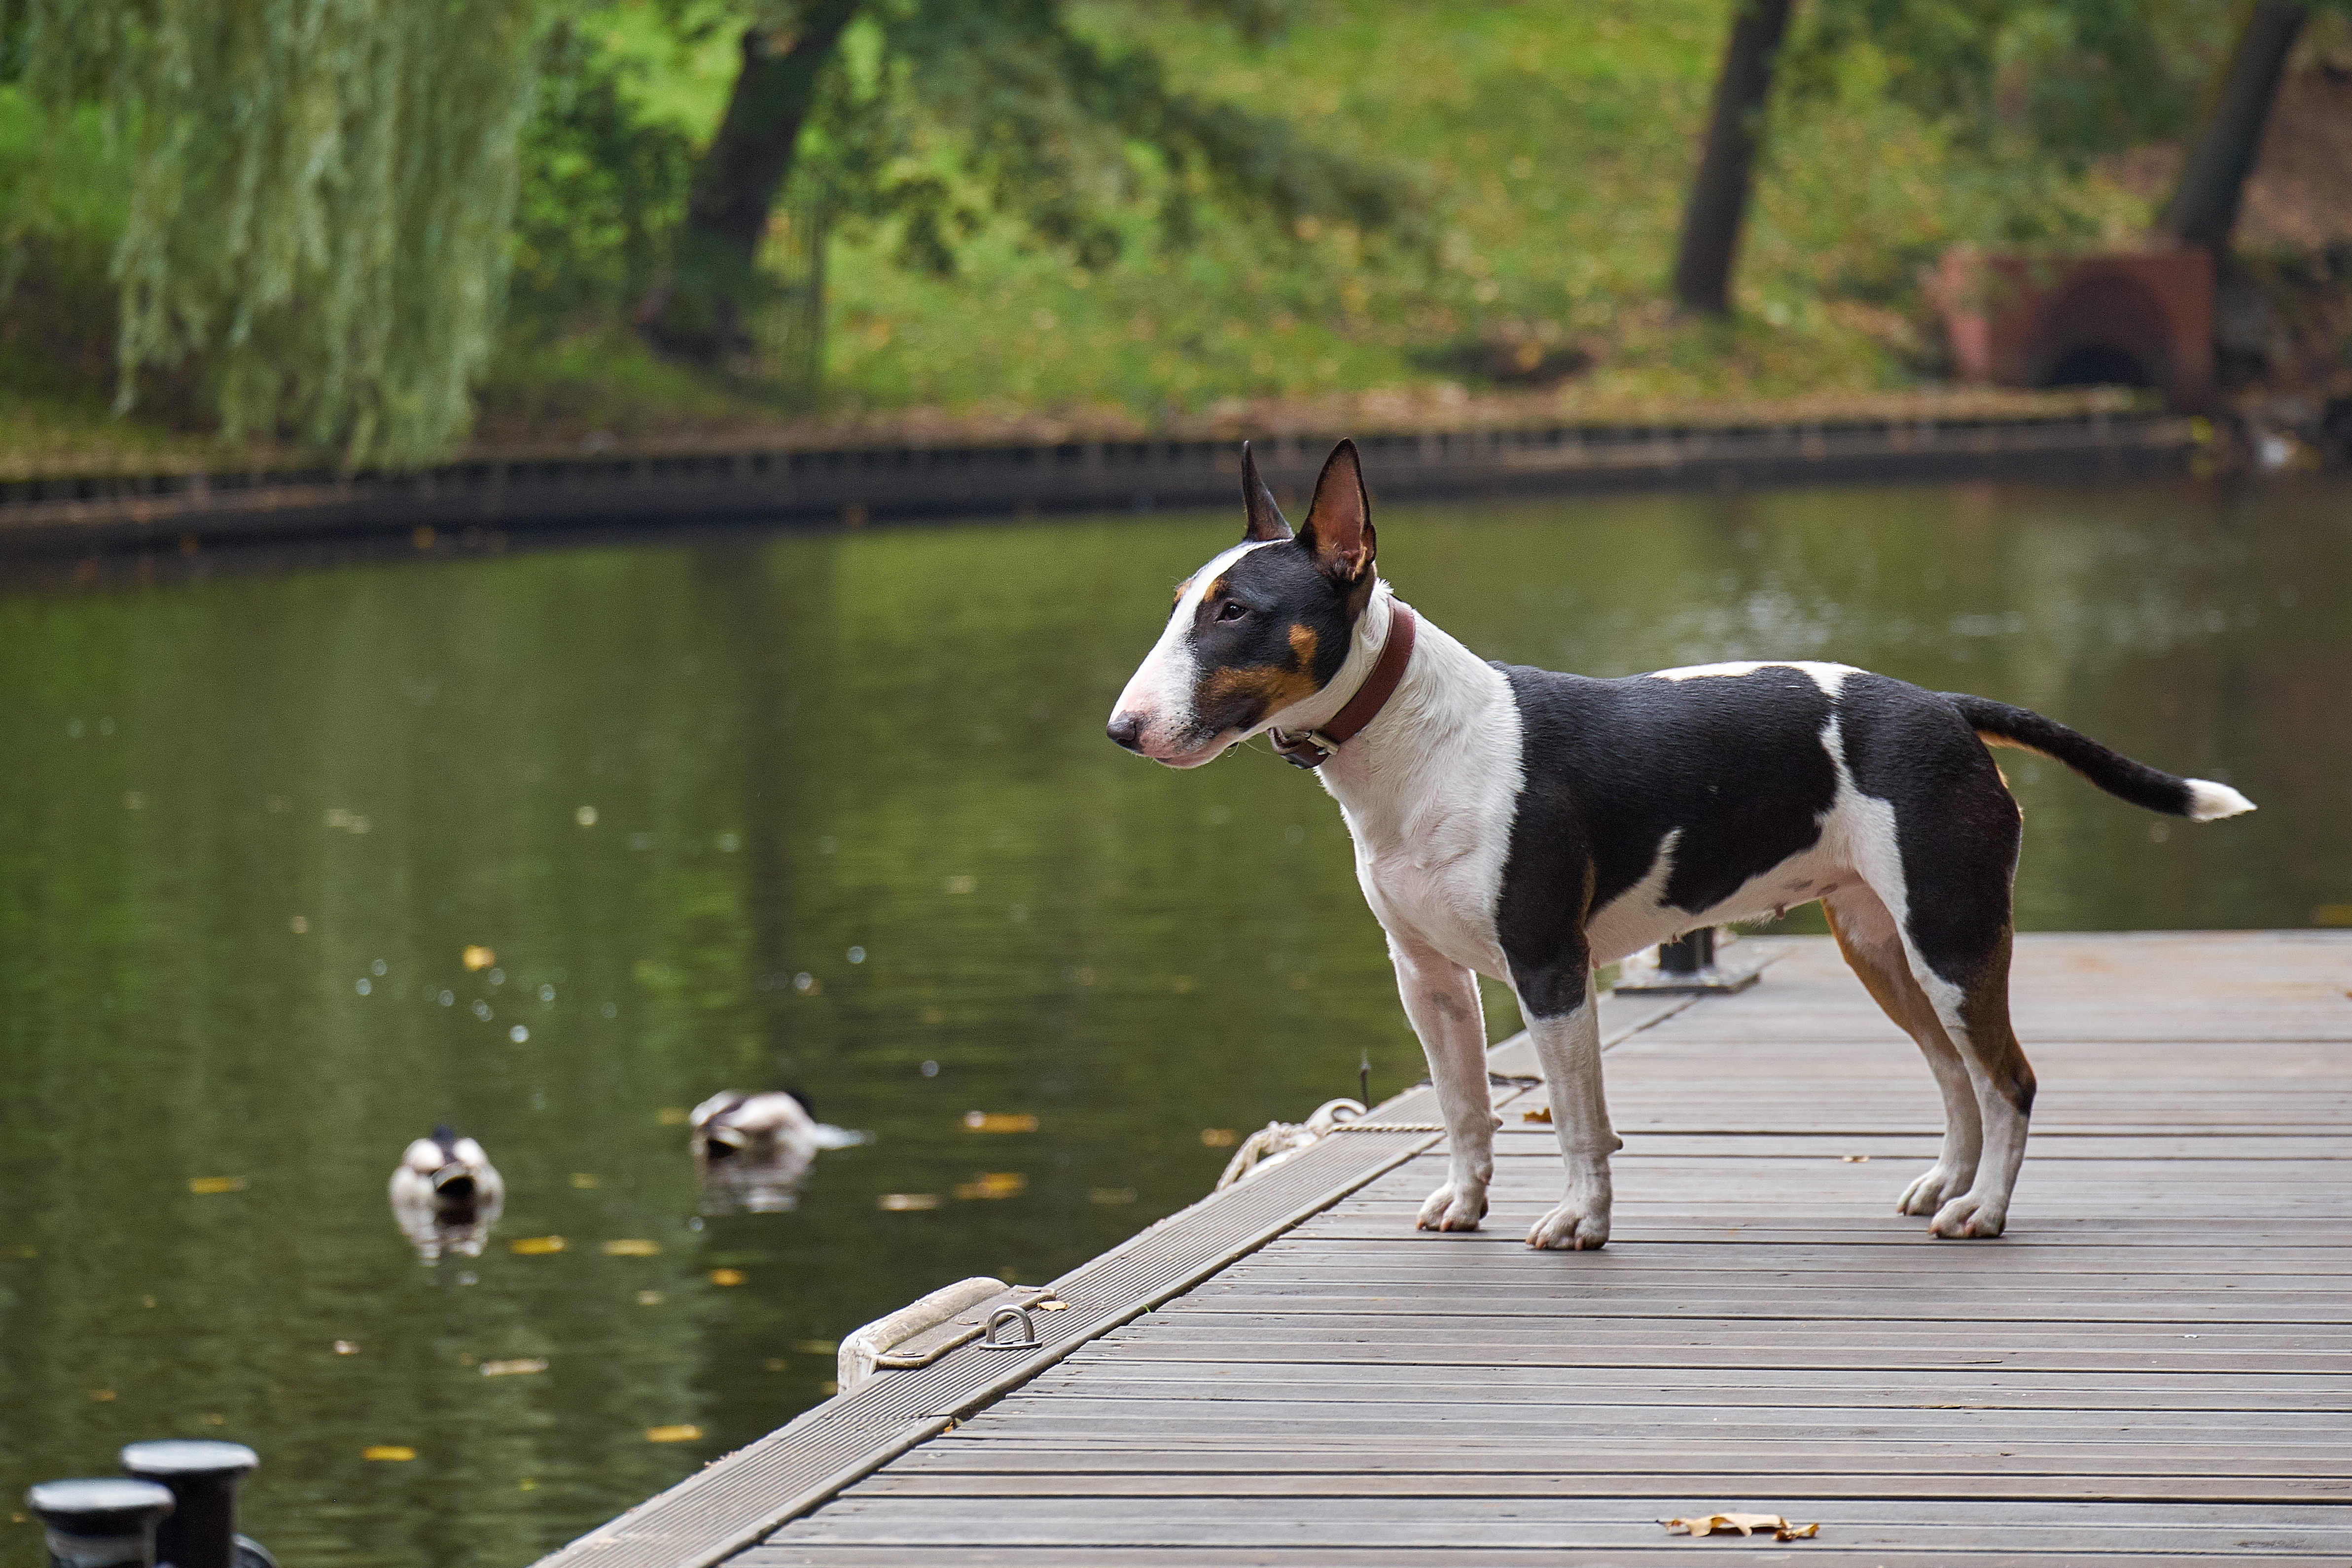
{"x":1742,"y":1523}
{"x":205,"y":1185}
{"x":1854,"y":1159}
{"x":477,"y":957}
{"x":1219,"y":1137}
{"x":631,"y":1247}
{"x":907,"y":1203}
{"x":1050,"y":1306}
{"x":999,"y":1122}
{"x":536,"y":1245}
{"x":993,"y":1184}
{"x":681,"y":1433}
{"x":1540,"y":1113}
{"x":514,"y":1368}
{"x":726,"y":1276}
{"x":395,"y":1452}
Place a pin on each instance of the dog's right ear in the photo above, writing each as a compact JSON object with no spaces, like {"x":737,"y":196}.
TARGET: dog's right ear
{"x":1267,"y":523}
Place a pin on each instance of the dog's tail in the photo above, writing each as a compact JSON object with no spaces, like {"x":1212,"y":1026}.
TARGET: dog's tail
{"x":1999,"y":724}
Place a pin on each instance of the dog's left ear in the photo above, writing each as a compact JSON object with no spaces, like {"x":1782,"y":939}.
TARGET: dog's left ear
{"x":1339,"y":524}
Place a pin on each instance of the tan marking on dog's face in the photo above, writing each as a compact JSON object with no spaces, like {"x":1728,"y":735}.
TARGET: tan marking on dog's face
{"x":1303,"y":644}
{"x":1272,"y":686}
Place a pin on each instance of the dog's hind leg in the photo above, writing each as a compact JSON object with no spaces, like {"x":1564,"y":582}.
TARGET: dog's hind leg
{"x":1441,"y":997}
{"x":1949,"y":887}
{"x":1974,"y":1013}
{"x":1874,"y":949}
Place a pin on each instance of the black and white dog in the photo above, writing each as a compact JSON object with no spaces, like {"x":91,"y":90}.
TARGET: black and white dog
{"x":1528,"y":826}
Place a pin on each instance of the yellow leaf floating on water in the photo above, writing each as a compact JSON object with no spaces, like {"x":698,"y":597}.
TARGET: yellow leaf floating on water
{"x":586,"y":1183}
{"x":631,"y":1247}
{"x":907,"y":1203}
{"x":671,"y":1116}
{"x":1540,"y":1113}
{"x":206,"y":1186}
{"x":536,"y":1245}
{"x":476,"y":957}
{"x":393,"y":1452}
{"x":681,"y":1433}
{"x":812,"y":1347}
{"x":1742,"y":1524}
{"x":726,"y":1276}
{"x":1219,"y":1137}
{"x":999,"y":1122}
{"x":518,"y":1366}
{"x":993,"y":1184}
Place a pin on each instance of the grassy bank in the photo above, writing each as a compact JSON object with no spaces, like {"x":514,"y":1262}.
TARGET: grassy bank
{"x":1552,"y":148}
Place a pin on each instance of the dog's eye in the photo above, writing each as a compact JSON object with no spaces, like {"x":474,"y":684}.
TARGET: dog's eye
{"x":1232,"y":611}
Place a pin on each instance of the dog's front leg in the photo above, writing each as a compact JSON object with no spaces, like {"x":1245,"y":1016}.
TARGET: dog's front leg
{"x":1441,"y":997}
{"x":1568,"y":1044}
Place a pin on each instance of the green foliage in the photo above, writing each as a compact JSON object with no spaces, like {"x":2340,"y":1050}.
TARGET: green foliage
{"x":2059,"y":78}
{"x":319,"y":198}
{"x":1034,"y":118}
{"x":603,"y":187}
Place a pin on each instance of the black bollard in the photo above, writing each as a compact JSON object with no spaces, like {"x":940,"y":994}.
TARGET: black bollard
{"x":202,"y":1475}
{"x":100,"y":1523}
{"x":1688,"y":964}
{"x":1690,"y":954}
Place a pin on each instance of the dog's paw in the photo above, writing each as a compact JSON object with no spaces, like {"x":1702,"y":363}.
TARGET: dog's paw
{"x":1969,"y":1218}
{"x":1571,"y":1228}
{"x":1452,"y":1209}
{"x":1929,"y":1192}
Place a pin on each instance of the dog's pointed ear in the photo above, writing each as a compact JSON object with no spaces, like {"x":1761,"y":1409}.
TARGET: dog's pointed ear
{"x":1267,"y":523}
{"x":1339,"y":522}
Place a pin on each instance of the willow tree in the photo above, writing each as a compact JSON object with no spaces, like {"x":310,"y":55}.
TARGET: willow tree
{"x":1047,"y":126}
{"x":321,"y":193}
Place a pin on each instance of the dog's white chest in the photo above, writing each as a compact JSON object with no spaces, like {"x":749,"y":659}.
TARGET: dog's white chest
{"x":1432,"y":821}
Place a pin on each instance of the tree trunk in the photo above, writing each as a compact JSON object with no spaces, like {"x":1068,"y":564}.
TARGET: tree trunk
{"x":698,"y":310}
{"x":2204,"y":205}
{"x":1718,"y":197}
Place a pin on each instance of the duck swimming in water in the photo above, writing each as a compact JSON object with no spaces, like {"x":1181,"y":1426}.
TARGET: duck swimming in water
{"x":754,"y":1150}
{"x":445,"y":1195}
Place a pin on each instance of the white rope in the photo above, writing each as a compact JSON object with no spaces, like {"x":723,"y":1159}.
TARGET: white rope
{"x":1278,"y":1140}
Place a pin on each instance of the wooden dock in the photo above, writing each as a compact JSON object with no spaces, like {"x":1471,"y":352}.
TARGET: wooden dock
{"x":2152,"y":1363}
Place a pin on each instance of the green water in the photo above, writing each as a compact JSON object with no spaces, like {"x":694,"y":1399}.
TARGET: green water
{"x":796,"y":745}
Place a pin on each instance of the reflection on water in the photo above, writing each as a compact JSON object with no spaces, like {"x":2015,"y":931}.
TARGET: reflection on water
{"x":835,"y":813}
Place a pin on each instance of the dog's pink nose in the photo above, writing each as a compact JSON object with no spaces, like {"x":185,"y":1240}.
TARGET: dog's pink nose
{"x":1126,"y":728}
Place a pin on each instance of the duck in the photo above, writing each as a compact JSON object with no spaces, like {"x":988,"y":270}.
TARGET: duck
{"x":445,"y":1194}
{"x":753,"y":1152}
{"x":728,"y":1124}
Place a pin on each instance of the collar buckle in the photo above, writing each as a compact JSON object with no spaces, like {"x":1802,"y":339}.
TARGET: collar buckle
{"x":1303,"y":748}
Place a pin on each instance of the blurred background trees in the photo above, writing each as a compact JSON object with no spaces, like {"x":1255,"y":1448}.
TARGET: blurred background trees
{"x":364,"y":227}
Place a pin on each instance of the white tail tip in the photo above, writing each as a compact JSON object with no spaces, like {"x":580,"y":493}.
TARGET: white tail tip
{"x":2207,"y":800}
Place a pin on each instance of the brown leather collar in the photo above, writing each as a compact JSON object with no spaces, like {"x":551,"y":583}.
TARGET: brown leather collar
{"x":1312,"y":748}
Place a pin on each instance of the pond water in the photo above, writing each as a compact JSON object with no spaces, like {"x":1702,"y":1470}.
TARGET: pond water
{"x":835,"y":812}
